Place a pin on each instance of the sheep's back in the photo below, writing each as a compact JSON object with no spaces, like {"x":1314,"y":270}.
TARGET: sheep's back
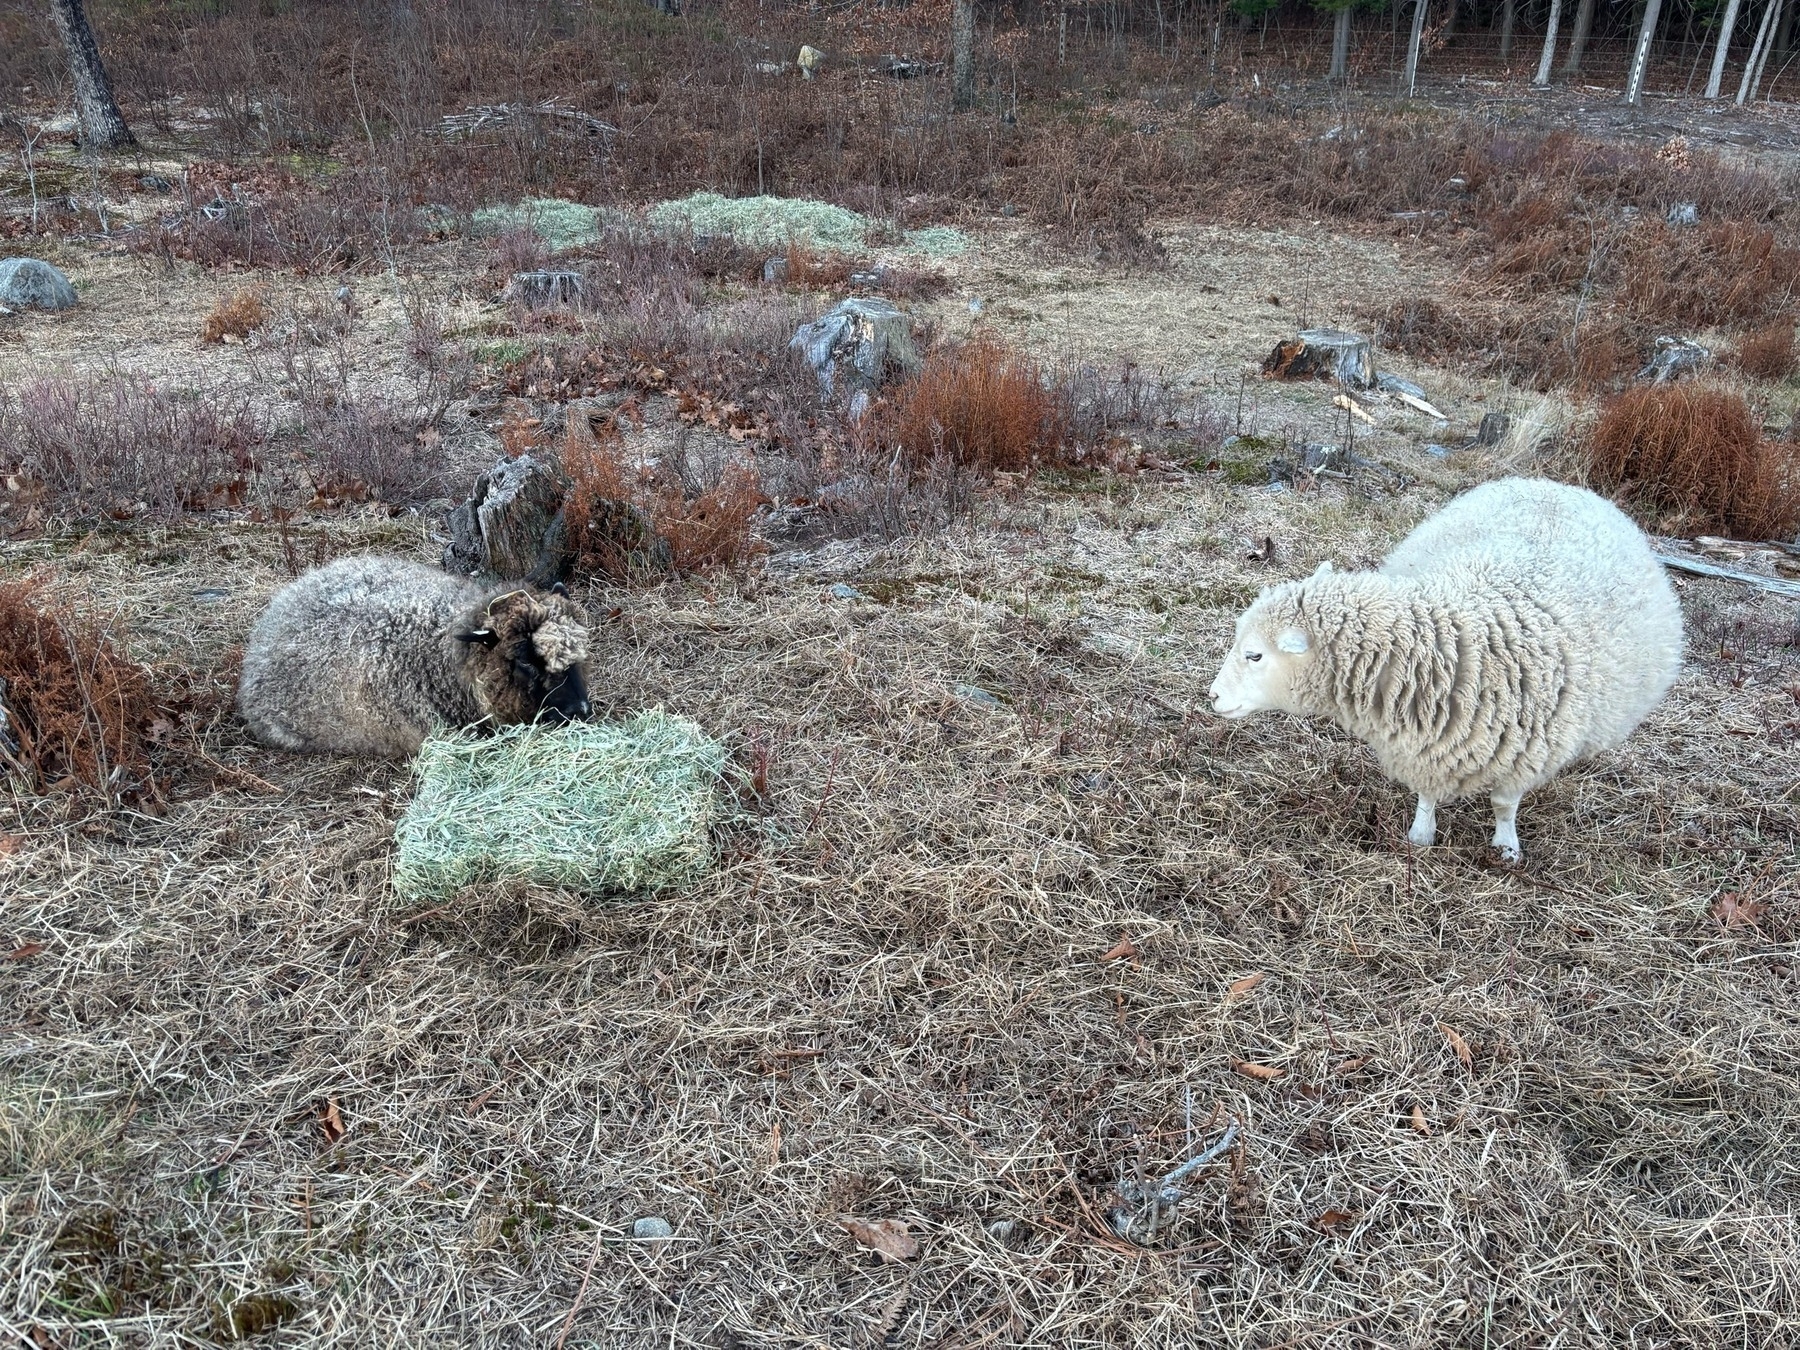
{"x":1579,"y":576}
{"x":352,"y":658}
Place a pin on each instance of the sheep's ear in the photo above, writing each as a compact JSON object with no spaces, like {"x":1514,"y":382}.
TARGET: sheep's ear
{"x":557,"y":588}
{"x":479,"y":637}
{"x":1292,"y":641}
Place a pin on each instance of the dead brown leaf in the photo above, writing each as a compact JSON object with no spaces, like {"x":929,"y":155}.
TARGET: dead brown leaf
{"x":1245,"y":985}
{"x":1350,"y":1066}
{"x":1331,"y":1218}
{"x":331,"y":1121}
{"x":1418,"y":1119}
{"x":1458,"y":1044}
{"x":1733,"y":910}
{"x":1266,"y":1073}
{"x":9,"y":845}
{"x":886,"y":1237}
{"x":24,"y":951}
{"x":1122,"y":950}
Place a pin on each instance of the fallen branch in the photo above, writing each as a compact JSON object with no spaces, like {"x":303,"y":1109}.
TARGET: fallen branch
{"x":1771,"y":584}
{"x":490,"y":115}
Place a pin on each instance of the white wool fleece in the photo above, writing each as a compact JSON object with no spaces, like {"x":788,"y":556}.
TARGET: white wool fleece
{"x":1523,"y":627}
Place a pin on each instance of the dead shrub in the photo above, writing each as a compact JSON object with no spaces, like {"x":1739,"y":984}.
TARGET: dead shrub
{"x":1768,"y":353}
{"x":1721,"y":272}
{"x":235,"y":317}
{"x":627,"y":520}
{"x":986,"y":407}
{"x":520,"y":249}
{"x":1692,"y":457}
{"x":118,"y":446}
{"x":78,"y":713}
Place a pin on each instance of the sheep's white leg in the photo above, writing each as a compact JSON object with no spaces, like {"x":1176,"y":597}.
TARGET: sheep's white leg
{"x":1506,"y":829}
{"x":1424,"y":827}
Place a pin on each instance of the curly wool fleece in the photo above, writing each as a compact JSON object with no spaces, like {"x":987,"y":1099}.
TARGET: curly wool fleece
{"x":1525,"y":626}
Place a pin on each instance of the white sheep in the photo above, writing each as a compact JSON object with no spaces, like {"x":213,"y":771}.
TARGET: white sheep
{"x":366,"y":656}
{"x":1525,"y":626}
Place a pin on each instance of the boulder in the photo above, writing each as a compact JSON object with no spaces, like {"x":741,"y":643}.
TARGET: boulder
{"x":26,"y":283}
{"x":1674,"y":358}
{"x":858,"y":345}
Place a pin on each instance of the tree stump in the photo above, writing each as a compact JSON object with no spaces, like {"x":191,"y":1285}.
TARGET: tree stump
{"x":541,"y":290}
{"x":1674,"y":358}
{"x":1324,"y":354}
{"x":857,"y":344}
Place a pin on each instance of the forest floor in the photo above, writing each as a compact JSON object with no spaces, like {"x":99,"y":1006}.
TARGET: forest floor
{"x":1020,"y":920}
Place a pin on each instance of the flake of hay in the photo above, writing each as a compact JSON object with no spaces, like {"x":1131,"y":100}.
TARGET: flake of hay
{"x":560,"y":223}
{"x":620,"y":806}
{"x":769,"y":222}
{"x":938,"y":241}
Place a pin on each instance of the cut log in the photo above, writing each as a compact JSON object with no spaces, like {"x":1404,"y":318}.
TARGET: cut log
{"x":1325,"y":354}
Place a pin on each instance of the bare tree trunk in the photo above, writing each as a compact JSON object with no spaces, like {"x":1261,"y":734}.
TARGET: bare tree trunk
{"x":1783,"y":36}
{"x":1640,"y":58}
{"x":1449,"y":30}
{"x":962,"y":52}
{"x":1758,"y":55}
{"x":1340,"y":47}
{"x":1509,"y":13}
{"x":1584,"y":24}
{"x":1548,"y":58}
{"x":102,"y":125}
{"x":1722,"y":49}
{"x":1412,"y":47}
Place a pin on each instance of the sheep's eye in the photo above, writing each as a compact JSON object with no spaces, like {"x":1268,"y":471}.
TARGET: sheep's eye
{"x":1252,"y":656}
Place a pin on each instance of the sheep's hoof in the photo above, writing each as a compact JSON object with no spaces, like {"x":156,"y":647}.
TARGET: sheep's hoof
{"x":1505,"y":855}
{"x":1421,"y":838}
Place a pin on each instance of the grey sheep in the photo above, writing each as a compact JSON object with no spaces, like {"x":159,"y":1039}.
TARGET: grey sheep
{"x":366,"y":656}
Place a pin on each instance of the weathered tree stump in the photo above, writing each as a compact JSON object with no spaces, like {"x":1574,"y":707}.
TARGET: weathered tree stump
{"x":1324,"y":354}
{"x":542,"y":290}
{"x":515,"y":527}
{"x":857,"y":345}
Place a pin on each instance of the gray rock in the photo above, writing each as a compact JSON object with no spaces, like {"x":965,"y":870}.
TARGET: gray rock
{"x":843,"y":590}
{"x":1393,"y":384}
{"x":652,"y":1228}
{"x":775,"y":271}
{"x":26,"y":283}
{"x":1684,"y":215}
{"x":1493,"y":429}
{"x":1674,"y":358}
{"x":978,"y":697}
{"x":857,"y":345}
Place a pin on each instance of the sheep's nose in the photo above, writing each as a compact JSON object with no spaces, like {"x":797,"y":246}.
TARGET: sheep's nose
{"x":582,"y":709}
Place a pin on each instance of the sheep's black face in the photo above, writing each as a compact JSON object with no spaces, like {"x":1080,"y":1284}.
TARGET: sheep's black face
{"x":556,"y":695}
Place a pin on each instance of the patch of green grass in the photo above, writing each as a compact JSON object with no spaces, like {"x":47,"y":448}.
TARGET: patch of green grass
{"x":501,"y":351}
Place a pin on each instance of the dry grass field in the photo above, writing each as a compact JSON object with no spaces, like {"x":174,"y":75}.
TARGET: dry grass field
{"x":1005,"y":925}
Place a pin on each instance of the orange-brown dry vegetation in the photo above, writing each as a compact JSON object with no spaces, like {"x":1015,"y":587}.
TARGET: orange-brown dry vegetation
{"x":703,"y":529}
{"x":1768,"y":353}
{"x":985,"y":407}
{"x":78,"y":712}
{"x":235,"y":316}
{"x":1693,"y":458}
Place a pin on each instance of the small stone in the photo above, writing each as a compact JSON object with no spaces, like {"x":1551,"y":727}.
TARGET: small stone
{"x":26,"y":283}
{"x":774,"y":271}
{"x":155,"y":182}
{"x":844,"y":591}
{"x":1493,"y":429}
{"x":652,"y":1228}
{"x":211,"y":595}
{"x":1684,"y":215}
{"x":978,"y":697}
{"x":1441,"y":451}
